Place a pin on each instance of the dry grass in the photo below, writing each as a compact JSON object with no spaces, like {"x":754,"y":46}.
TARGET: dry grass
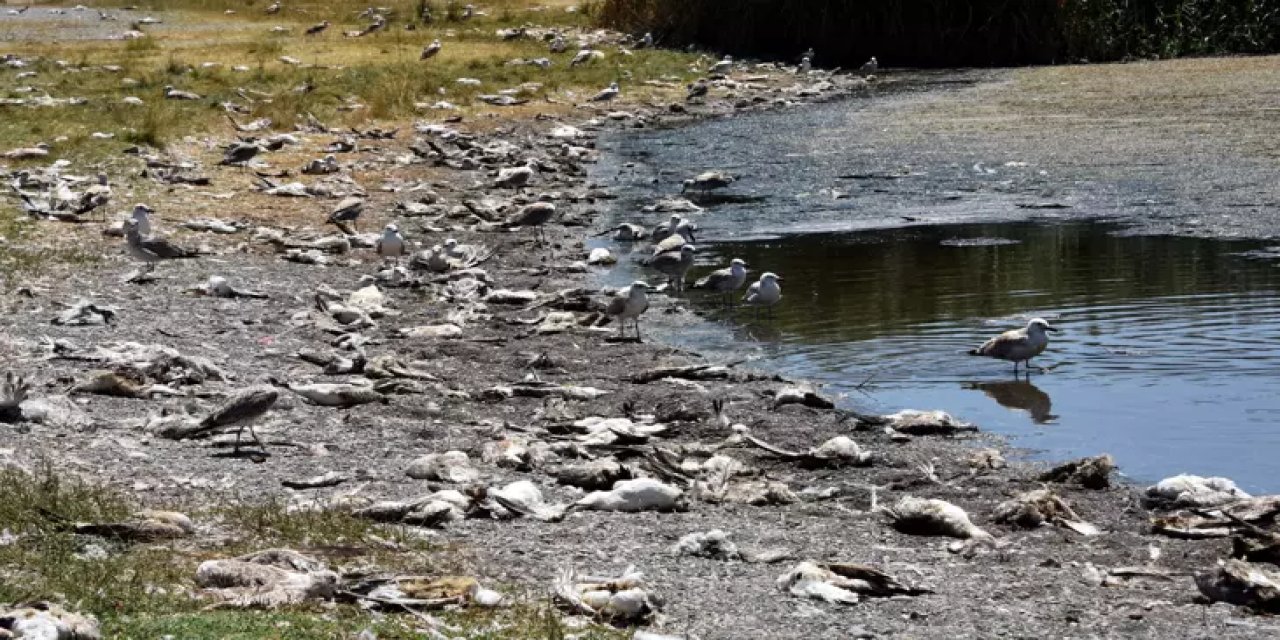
{"x":381,"y":72}
{"x":146,"y":591}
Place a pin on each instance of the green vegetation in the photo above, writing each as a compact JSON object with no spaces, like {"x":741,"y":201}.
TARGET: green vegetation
{"x":144,"y":591}
{"x":343,"y":81}
{"x":953,"y":33}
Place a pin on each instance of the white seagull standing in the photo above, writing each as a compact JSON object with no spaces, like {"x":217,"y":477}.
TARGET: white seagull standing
{"x":870,"y":66}
{"x":142,"y":217}
{"x":1018,"y":345}
{"x":627,"y":304}
{"x":765,"y":292}
{"x":607,"y":94}
{"x":391,"y":244}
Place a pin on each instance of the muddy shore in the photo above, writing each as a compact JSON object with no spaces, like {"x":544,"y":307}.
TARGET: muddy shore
{"x":1042,"y":582}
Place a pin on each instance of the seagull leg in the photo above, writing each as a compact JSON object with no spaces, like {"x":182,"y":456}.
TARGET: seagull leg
{"x":637,"y":323}
{"x":257,"y":440}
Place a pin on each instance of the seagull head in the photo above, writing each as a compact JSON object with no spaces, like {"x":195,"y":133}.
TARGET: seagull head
{"x":639,"y":285}
{"x":391,"y":229}
{"x":450,"y":243}
{"x":770,"y":276}
{"x":141,"y":211}
{"x":738,"y":262}
{"x":688,"y":249}
{"x":1040,"y":325}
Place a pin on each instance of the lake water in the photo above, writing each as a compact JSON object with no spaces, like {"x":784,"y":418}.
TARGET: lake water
{"x":1169,"y":355}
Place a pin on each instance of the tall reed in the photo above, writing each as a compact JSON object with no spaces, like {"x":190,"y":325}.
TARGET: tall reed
{"x":955,"y":32}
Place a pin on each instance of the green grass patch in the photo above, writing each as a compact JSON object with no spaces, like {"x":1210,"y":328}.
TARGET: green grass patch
{"x":144,"y":591}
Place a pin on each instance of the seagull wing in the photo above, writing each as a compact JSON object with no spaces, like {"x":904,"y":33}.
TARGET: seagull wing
{"x":1003,"y":346}
{"x":162,"y":248}
{"x":618,"y":304}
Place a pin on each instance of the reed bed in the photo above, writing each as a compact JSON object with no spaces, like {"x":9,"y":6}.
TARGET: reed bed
{"x":950,"y":33}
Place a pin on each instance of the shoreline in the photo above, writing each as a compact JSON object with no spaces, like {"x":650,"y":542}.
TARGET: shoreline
{"x":1033,"y":582}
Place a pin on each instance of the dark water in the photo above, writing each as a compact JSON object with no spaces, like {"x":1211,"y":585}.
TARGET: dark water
{"x":1169,"y":357}
{"x":1170,"y":353}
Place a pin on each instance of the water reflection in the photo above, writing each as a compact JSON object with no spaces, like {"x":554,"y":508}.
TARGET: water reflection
{"x":1019,"y":395}
{"x":1144,"y":320}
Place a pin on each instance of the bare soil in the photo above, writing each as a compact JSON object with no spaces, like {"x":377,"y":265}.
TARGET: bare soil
{"x":1033,"y":585}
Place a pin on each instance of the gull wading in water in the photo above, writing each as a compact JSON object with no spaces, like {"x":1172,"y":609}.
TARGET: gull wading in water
{"x":627,"y":304}
{"x":725,"y":281}
{"x":1018,"y":345}
{"x":674,"y":264}
{"x":765,"y":292}
{"x":708,"y":181}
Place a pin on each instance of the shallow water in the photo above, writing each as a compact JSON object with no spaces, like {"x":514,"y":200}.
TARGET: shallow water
{"x":1170,"y":347}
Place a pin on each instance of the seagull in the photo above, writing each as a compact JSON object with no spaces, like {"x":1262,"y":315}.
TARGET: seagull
{"x":682,"y":236}
{"x":722,"y":67}
{"x":40,"y":150}
{"x":515,"y":177}
{"x":608,"y":93}
{"x":625,"y":232}
{"x":431,"y":50}
{"x":558,"y":44}
{"x":806,"y":63}
{"x":585,"y":56}
{"x":1018,"y":345}
{"x":725,"y":281}
{"x":468,"y":11}
{"x":667,"y":229}
{"x":242,"y":410}
{"x":708,"y":181}
{"x":646,"y":42}
{"x":177,"y":94}
{"x":151,"y":250}
{"x":94,"y":196}
{"x":627,"y":304}
{"x":764,"y":292}
{"x":348,"y":210}
{"x":870,"y":66}
{"x":239,"y":153}
{"x":697,"y":89}
{"x":142,"y":217}
{"x":674,"y":264}
{"x":391,"y":244}
{"x":534,"y":216}
{"x":318,"y":28}
{"x":274,"y":8}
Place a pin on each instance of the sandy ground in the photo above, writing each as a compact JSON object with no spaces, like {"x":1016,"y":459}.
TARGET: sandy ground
{"x":1033,"y":584}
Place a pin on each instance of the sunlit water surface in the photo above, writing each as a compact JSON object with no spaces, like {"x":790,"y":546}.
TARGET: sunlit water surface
{"x":1169,"y":357}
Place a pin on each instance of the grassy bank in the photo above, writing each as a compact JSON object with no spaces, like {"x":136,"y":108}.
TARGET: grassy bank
{"x":342,"y":80}
{"x":145,"y":591}
{"x":958,"y":33}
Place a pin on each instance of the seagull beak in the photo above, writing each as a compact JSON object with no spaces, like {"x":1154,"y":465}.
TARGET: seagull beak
{"x":1053,"y":329}
{"x":779,"y":279}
